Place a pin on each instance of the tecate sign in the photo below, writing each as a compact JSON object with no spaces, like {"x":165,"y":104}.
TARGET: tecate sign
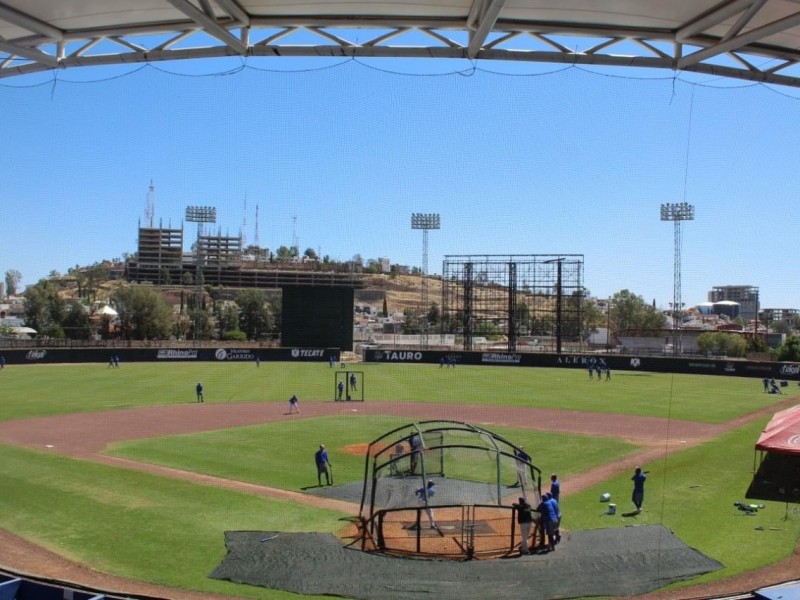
{"x":36,"y":354}
{"x":399,"y":356}
{"x":305,"y":353}
{"x":173,"y":354}
{"x":233,"y":354}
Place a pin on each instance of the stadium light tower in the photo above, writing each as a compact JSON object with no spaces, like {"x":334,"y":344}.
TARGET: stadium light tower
{"x":425,"y":222}
{"x":199,"y":215}
{"x":677,"y":212}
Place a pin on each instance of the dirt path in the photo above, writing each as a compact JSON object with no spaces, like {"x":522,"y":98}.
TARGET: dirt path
{"x":86,"y":435}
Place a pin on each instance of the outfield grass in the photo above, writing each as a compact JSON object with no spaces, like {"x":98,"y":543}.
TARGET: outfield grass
{"x":170,"y":532}
{"x":282,"y":454}
{"x":138,"y":525}
{"x":46,"y":390}
{"x":692,"y":492}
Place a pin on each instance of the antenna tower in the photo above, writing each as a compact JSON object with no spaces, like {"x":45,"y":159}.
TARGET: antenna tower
{"x":255,"y":239}
{"x":295,"y":240}
{"x":149,"y":208}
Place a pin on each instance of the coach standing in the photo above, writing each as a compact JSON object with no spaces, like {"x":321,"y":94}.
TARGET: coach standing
{"x":525,"y":520}
{"x":638,"y":488}
{"x":323,"y":465}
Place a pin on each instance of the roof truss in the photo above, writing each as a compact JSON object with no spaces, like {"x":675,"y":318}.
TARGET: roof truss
{"x":731,"y":39}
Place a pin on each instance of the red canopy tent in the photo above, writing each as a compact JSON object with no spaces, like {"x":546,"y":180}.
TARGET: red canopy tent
{"x":778,"y":476}
{"x":782,"y":434}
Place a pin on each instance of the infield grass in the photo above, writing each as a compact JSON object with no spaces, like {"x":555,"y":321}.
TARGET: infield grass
{"x":282,"y":454}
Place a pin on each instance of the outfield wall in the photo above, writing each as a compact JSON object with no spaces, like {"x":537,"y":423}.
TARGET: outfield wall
{"x":698,"y":366}
{"x":125,"y":355}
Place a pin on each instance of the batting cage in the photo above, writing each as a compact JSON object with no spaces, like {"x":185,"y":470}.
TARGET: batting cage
{"x":444,"y":488}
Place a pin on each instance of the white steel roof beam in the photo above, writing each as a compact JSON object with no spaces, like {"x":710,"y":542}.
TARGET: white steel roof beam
{"x":209,"y":24}
{"x":235,"y":11}
{"x":713,"y":17}
{"x":21,"y":19}
{"x":743,"y":20}
{"x":754,"y":35}
{"x":482,"y":17}
{"x":29,"y":53}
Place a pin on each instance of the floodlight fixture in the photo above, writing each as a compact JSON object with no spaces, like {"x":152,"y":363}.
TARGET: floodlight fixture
{"x":201,"y":214}
{"x":677,"y":211}
{"x":425,"y":221}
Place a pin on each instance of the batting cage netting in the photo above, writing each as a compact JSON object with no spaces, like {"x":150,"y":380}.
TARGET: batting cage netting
{"x":444,"y":488}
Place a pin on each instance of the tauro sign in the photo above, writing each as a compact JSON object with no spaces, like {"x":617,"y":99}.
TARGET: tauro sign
{"x":394,"y":356}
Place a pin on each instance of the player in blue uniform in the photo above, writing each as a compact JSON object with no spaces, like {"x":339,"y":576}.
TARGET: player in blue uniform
{"x":638,"y":488}
{"x":323,"y":465}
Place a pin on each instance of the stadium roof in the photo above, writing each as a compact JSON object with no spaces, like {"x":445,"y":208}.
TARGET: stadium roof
{"x":755,"y":40}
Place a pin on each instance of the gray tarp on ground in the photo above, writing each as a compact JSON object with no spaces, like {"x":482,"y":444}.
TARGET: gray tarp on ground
{"x":600,"y":562}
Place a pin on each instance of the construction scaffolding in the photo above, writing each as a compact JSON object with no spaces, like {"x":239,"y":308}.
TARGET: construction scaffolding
{"x":497,"y":297}
{"x":160,"y":260}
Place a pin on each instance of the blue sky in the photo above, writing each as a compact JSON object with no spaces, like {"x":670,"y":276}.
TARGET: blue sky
{"x":517,"y":159}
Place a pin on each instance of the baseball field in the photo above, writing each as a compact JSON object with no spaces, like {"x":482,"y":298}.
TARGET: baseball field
{"x":119,"y":478}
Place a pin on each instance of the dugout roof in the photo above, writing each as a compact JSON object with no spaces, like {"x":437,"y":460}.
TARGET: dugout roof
{"x":756,"y":40}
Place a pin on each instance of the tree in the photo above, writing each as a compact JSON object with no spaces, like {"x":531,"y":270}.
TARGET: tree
{"x":310,"y":254}
{"x":629,"y":311}
{"x":228,"y":319}
{"x":13,"y":279}
{"x":720,"y":343}
{"x":789,"y":350}
{"x":144,"y":314}
{"x":374,"y":266}
{"x":255,"y":319}
{"x":385,"y":308}
{"x":434,"y":314}
{"x":44,"y":308}
{"x":201,"y":326}
{"x":411,"y":324}
{"x":234,"y":335}
{"x":285,"y":253}
{"x":76,"y":323}
{"x":95,"y":275}
{"x":781,"y":327}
